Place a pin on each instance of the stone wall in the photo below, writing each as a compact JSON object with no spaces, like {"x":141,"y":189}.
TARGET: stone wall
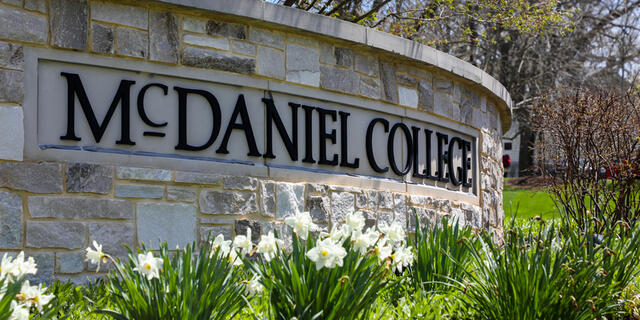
{"x":53,"y":210}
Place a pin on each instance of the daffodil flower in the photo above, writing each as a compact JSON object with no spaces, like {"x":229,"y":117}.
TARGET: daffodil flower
{"x":148,"y":265}
{"x":243,"y":243}
{"x":355,"y":222}
{"x":301,"y":224}
{"x":402,"y":258}
{"x":327,"y":254}
{"x":220,"y":244}
{"x":253,"y":287}
{"x":362,"y":241}
{"x":268,"y":246}
{"x":94,"y":256}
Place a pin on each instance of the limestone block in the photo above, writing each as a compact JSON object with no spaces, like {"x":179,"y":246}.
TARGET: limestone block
{"x":268,"y":199}
{"x":36,"y":177}
{"x":370,"y":87}
{"x":132,"y":42}
{"x":386,"y":200}
{"x":319,"y":208}
{"x":226,"y":29}
{"x":206,"y":41}
{"x":317,"y":188}
{"x":213,"y":231}
{"x":139,"y":191}
{"x":36,"y":5}
{"x":69,"y":23}
{"x":56,"y":234}
{"x":385,"y":217}
{"x":22,"y":26}
{"x":149,"y":174}
{"x":400,"y":208}
{"x":339,"y":79}
{"x":198,"y":178}
{"x":240,"y":183}
{"x":408,"y":97}
{"x":266,"y":37}
{"x":326,"y":53}
{"x":103,"y":38}
{"x":121,"y":14}
{"x":174,"y":223}
{"x":194,"y":24}
{"x":443,"y":84}
{"x":209,"y":59}
{"x":425,"y":96}
{"x":79,"y":208}
{"x":271,"y":62}
{"x":406,"y":80}
{"x":227,"y":202}
{"x":443,"y":104}
{"x":342,"y":204}
{"x":344,"y":56}
{"x":93,"y":178}
{"x":163,"y":36}
{"x":303,"y":65}
{"x":112,"y":235}
{"x":243,"y":48}
{"x":11,"y":228}
{"x":11,"y":55}
{"x":290,"y":199}
{"x":69,"y":262}
{"x":389,"y":84}
{"x":11,"y":89}
{"x":367,"y":64}
{"x":181,"y":194}
{"x":242,"y":225}
{"x":11,"y":133}
{"x":44,"y":261}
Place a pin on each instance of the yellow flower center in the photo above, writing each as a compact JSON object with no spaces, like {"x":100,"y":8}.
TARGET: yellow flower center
{"x":36,"y":299}
{"x":325,"y":253}
{"x":147,"y":266}
{"x":377,"y":251}
{"x":101,"y":255}
{"x":393,"y":256}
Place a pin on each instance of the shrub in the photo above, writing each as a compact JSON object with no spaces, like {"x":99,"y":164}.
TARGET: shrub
{"x":442,"y":255}
{"x":549,"y":275}
{"x":331,"y":276}
{"x":186,"y":286}
{"x":589,"y":147}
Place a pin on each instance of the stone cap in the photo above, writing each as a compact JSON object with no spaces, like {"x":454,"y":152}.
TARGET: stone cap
{"x":344,"y":30}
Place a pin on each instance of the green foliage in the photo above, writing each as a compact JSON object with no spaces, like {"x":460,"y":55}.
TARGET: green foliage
{"x":442,"y":255}
{"x":298,"y":290}
{"x":201,"y":286}
{"x":525,"y":203}
{"x":77,"y":302}
{"x":6,"y":297}
{"x":547,"y":274}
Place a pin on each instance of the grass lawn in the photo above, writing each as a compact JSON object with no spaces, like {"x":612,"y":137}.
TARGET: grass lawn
{"x":527,"y":203}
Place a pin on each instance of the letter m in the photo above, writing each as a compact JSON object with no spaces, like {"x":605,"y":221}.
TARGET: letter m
{"x":76,"y":89}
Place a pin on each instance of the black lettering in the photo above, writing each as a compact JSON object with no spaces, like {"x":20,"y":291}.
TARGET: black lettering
{"x":369,"y":144}
{"x":466,"y":164}
{"x":143,"y":114}
{"x":274,"y":118}
{"x":324,"y":136}
{"x":415,"y":131}
{"x":427,"y":134}
{"x":391,"y":145}
{"x":122,"y":97}
{"x":442,"y":156}
{"x":182,"y":118}
{"x":240,"y":110}
{"x":344,"y":138}
{"x":452,"y":171}
{"x":308,"y":134}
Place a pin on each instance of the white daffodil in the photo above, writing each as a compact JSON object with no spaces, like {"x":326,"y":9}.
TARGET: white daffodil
{"x":402,"y":258}
{"x":355,"y":222}
{"x":19,"y":266}
{"x":94,"y":256}
{"x":362,"y":241}
{"x":301,"y":224}
{"x":383,"y":249}
{"x":220,"y":244}
{"x":33,"y":296}
{"x":394,"y":232}
{"x":243,"y":243}
{"x":234,"y":259}
{"x":253,"y":287}
{"x":5,"y":266}
{"x":327,"y":253}
{"x":339,"y":234}
{"x":268,"y":246}
{"x":148,"y":265}
{"x":19,"y":311}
